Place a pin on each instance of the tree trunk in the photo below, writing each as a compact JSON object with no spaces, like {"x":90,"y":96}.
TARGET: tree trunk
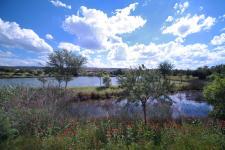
{"x":66,"y":84}
{"x":59,"y":84}
{"x":144,"y":111}
{"x":100,"y":81}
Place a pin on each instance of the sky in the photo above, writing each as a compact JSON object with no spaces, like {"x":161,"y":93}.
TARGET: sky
{"x":114,"y":33}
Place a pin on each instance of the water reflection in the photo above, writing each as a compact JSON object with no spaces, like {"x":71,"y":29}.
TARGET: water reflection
{"x":184,"y":104}
{"x":189,"y":104}
{"x":81,"y":81}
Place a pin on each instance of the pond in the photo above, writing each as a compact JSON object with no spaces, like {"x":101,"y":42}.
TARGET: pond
{"x":184,"y":104}
{"x":81,"y":81}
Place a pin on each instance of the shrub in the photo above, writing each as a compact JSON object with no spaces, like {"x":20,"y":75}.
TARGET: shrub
{"x":214,"y":92}
{"x":6,"y":131}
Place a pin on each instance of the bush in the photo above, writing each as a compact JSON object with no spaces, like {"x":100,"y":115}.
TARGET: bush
{"x":6,"y":131}
{"x":214,"y":92}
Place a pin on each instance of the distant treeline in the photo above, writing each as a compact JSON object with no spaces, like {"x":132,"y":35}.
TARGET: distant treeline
{"x":201,"y":72}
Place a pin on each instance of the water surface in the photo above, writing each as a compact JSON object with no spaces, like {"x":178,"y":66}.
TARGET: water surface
{"x":81,"y":81}
{"x":184,"y":104}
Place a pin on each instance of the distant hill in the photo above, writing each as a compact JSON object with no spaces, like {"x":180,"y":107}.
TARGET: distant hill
{"x":88,"y":69}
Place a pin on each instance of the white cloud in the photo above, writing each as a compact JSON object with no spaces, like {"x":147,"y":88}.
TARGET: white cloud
{"x":145,"y":3}
{"x":97,"y":62}
{"x":75,"y":48}
{"x":188,"y":25}
{"x":183,"y":56}
{"x":12,"y":35}
{"x":222,"y":17}
{"x":68,"y":46}
{"x":21,"y":62}
{"x":49,"y":37}
{"x":95,"y":30}
{"x":218,"y":39}
{"x":58,"y":3}
{"x":86,"y":53}
{"x":5,"y":53}
{"x":181,"y":7}
{"x":169,"y":19}
{"x":98,"y":33}
{"x":7,"y":58}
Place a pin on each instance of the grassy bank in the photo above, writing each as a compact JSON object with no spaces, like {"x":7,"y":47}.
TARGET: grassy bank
{"x":96,"y":93}
{"x":115,"y":134}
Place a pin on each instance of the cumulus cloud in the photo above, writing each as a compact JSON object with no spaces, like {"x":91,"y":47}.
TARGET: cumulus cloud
{"x":181,"y":7}
{"x":95,"y":30}
{"x":98,"y":33}
{"x":12,"y":35}
{"x":58,"y":3}
{"x":86,"y":53}
{"x":218,"y":39}
{"x":49,"y":37}
{"x":189,"y":24}
{"x":183,"y":56}
{"x":69,"y":46}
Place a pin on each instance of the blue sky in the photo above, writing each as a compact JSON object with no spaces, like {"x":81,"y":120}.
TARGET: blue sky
{"x":114,"y":33}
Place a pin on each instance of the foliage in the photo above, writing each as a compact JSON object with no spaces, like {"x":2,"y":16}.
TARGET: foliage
{"x":111,"y":134}
{"x":100,"y":75}
{"x":65,"y":65}
{"x":214,"y":92}
{"x":141,"y":84}
{"x":165,"y":68}
{"x":6,"y":130}
{"x":106,"y":80}
{"x":43,"y":80}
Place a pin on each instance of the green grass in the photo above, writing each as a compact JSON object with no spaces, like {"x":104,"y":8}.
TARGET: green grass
{"x":183,"y":77}
{"x":96,"y":89}
{"x":109,"y":134}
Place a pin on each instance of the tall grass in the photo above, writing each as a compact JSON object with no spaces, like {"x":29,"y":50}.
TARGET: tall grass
{"x":37,"y":119}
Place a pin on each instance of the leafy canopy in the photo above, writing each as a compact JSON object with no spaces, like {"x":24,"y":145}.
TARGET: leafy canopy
{"x":215,"y":95}
{"x":142,"y":84}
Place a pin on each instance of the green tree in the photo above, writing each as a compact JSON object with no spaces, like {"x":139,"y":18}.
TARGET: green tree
{"x":141,"y":85}
{"x":100,"y":75}
{"x":65,"y":65}
{"x":214,"y":93}
{"x":107,"y":80}
{"x":43,"y":80}
{"x":165,"y":68}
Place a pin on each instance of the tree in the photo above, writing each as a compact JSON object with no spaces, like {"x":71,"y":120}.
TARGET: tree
{"x":65,"y":65}
{"x":214,"y":93}
{"x":107,"y":80}
{"x":165,"y":68}
{"x":43,"y":80}
{"x":100,"y":75}
{"x":142,"y":85}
